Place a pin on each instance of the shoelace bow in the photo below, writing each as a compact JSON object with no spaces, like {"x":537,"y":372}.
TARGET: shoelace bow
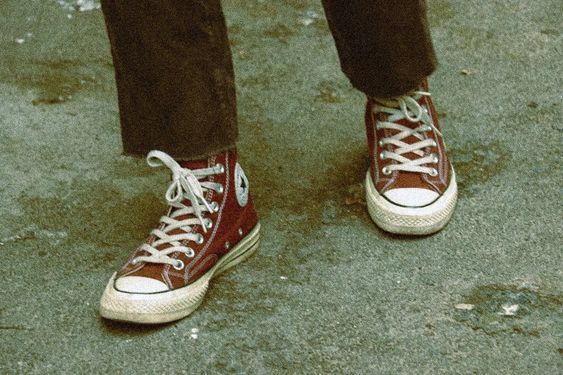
{"x":400,"y":108}
{"x":185,"y":185}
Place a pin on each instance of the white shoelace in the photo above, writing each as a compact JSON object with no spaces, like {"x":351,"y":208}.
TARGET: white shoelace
{"x":407,"y":107}
{"x":185,"y":185}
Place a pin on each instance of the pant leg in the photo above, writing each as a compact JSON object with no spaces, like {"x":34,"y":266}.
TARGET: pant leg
{"x":384,"y":46}
{"x":174,"y":74}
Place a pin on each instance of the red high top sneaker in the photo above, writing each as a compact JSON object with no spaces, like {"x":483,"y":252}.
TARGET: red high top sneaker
{"x":410,"y":187}
{"x":211,"y":225}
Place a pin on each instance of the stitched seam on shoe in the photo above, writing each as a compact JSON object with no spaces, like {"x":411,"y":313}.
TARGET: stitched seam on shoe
{"x":441,"y":152}
{"x":391,"y":180}
{"x":378,"y":176}
{"x":167,"y":279}
{"x":200,"y":265}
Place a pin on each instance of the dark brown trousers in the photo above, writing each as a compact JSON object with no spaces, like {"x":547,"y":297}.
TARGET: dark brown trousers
{"x":175,"y":78}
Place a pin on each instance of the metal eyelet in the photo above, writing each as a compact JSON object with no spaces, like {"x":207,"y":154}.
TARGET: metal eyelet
{"x":190,"y":253}
{"x":386,"y":171}
{"x":178,"y":265}
{"x":380,"y":143}
{"x":240,"y":232}
{"x":208,"y":223}
{"x":134,"y":262}
{"x":382,"y":156}
{"x":221,"y":168}
{"x":435,"y":158}
{"x":221,"y":189}
{"x":428,"y":128}
{"x":215,"y":206}
{"x":433,"y":172}
{"x":434,"y":144}
{"x":227,"y":245}
{"x":199,"y":239}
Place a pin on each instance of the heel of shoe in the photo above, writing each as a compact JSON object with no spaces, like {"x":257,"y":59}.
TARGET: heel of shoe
{"x":244,"y":249}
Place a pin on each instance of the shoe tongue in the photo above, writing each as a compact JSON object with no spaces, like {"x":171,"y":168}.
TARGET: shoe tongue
{"x":194,"y":164}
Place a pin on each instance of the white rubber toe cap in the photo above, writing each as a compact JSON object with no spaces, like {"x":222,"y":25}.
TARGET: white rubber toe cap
{"x":411,"y":197}
{"x":139,"y":284}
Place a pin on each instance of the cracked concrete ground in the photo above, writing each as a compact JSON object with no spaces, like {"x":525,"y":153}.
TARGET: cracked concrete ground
{"x":327,"y":292}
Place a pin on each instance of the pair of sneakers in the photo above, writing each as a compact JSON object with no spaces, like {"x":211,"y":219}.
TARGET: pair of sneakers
{"x":211,"y":224}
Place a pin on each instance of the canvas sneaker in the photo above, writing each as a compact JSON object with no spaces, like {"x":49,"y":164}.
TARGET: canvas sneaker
{"x":210,"y":226}
{"x":410,"y":186}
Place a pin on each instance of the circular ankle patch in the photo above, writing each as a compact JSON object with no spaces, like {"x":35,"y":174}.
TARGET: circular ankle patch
{"x":241,"y":185}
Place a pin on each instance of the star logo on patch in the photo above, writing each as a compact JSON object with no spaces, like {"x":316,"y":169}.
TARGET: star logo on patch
{"x":242,"y":186}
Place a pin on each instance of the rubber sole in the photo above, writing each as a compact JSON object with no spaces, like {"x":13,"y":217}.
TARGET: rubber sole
{"x":411,"y":220}
{"x":176,"y":304}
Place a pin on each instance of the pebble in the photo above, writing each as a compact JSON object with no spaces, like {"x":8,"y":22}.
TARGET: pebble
{"x":464,"y":306}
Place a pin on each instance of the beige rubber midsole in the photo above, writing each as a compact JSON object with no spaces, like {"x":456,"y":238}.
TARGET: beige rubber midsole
{"x":175,"y":304}
{"x":410,"y":220}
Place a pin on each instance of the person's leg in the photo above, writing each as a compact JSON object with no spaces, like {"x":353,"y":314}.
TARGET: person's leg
{"x":386,"y":51}
{"x":174,"y":76}
{"x":384,"y":46}
{"x":177,"y":100}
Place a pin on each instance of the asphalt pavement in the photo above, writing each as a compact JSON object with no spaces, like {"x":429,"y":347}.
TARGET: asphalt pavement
{"x":327,"y":292}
